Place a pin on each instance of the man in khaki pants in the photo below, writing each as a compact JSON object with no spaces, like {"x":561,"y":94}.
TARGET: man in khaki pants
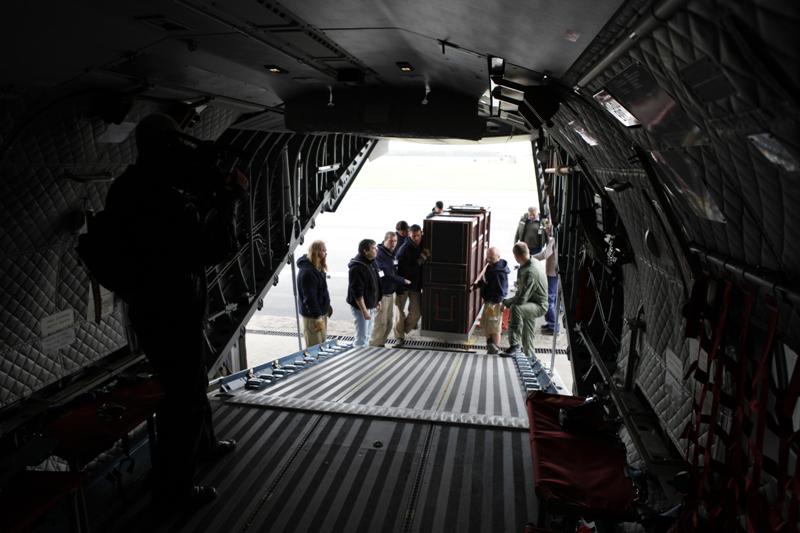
{"x":410,"y":258}
{"x":390,"y":281}
{"x":493,"y":282}
{"x":312,"y":293}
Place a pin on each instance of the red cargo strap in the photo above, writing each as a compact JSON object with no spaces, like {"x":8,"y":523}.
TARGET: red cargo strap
{"x":712,"y":354}
{"x":734,"y":452}
{"x":759,"y":408}
{"x":692,"y":430}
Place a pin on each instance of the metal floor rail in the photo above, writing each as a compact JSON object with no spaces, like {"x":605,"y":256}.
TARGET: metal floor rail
{"x":306,"y":468}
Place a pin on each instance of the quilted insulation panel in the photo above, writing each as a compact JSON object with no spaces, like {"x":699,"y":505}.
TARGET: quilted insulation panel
{"x":755,"y":46}
{"x":40,"y":274}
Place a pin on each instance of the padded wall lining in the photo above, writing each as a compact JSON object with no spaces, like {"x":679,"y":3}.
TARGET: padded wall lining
{"x":40,"y":273}
{"x":756,"y":46}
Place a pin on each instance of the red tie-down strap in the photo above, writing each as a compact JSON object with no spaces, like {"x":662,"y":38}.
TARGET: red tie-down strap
{"x":788,"y":439}
{"x":719,"y":329}
{"x":758,"y":409}
{"x":733,"y":455}
{"x":692,"y":429}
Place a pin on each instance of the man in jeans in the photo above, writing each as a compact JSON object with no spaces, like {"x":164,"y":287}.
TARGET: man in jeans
{"x":549,"y":256}
{"x":363,"y":290}
{"x":410,"y":258}
{"x":390,"y":281}
{"x":529,"y":303}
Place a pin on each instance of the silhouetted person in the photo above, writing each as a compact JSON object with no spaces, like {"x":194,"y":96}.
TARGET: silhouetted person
{"x":174,"y":221}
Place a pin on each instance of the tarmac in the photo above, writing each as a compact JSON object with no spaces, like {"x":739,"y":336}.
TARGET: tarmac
{"x":389,"y":188}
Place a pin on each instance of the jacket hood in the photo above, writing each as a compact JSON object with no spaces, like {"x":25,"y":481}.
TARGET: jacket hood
{"x":501,"y":266}
{"x":304,"y":262}
{"x":384,"y":250}
{"x":359,"y":260}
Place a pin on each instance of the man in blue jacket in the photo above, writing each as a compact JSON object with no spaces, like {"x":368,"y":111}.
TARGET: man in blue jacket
{"x":390,"y":282}
{"x":410,"y":258}
{"x":364,"y":290}
{"x":493,"y":282}
{"x":312,"y":293}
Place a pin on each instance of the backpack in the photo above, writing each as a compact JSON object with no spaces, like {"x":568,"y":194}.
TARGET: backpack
{"x":104,"y":254}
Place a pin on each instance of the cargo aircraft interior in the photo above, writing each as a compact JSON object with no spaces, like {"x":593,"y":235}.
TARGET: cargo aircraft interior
{"x":664,"y":137}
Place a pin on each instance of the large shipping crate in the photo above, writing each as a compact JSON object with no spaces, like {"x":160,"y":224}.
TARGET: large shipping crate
{"x":458,"y":239}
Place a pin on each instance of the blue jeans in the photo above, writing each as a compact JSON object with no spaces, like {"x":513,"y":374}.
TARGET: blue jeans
{"x":550,"y":317}
{"x":363,"y":326}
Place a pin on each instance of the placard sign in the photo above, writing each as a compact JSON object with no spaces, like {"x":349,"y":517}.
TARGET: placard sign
{"x":58,"y":330}
{"x":639,"y":93}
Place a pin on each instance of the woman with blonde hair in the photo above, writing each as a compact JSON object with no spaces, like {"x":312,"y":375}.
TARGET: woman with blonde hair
{"x":312,"y":293}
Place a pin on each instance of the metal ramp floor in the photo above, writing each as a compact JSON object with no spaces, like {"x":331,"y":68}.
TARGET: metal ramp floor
{"x":370,"y":440}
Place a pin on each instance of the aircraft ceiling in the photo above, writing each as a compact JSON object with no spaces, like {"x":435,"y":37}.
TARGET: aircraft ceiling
{"x":194,"y":48}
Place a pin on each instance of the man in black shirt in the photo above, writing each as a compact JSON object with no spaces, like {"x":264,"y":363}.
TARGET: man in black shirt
{"x":390,"y":281}
{"x":364,"y":290}
{"x":410,"y":258}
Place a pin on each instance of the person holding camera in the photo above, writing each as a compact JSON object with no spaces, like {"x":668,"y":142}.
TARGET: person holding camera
{"x":410,"y":258}
{"x":174,"y":214}
{"x":312,"y":293}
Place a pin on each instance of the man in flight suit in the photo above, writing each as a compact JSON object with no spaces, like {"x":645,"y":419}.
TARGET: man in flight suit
{"x":529,"y":303}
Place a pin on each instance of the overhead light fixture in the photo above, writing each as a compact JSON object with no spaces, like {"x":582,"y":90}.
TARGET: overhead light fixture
{"x":404,"y":66}
{"x":275,"y":69}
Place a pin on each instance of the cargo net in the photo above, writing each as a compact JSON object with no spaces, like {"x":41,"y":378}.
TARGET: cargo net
{"x":741,"y":440}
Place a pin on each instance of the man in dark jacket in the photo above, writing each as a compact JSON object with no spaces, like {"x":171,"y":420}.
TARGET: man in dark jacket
{"x":493,"y":282}
{"x":314,"y":302}
{"x":529,"y":230}
{"x":170,"y":236}
{"x":410,"y":258}
{"x":364,"y":290}
{"x":390,"y":282}
{"x":402,"y":233}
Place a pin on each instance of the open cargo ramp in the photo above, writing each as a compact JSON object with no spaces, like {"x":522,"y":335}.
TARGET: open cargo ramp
{"x":371,"y":439}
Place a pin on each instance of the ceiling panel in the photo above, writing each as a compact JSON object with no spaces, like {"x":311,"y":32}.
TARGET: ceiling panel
{"x":502,"y":27}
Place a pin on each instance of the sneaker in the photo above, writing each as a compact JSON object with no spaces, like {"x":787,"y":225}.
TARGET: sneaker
{"x":220,"y":449}
{"x":492,"y":348}
{"x":202,"y":494}
{"x":547,"y":330}
{"x":513,"y":351}
{"x":399,"y":342}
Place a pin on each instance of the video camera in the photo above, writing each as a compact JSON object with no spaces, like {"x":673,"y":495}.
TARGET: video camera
{"x":196,"y":165}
